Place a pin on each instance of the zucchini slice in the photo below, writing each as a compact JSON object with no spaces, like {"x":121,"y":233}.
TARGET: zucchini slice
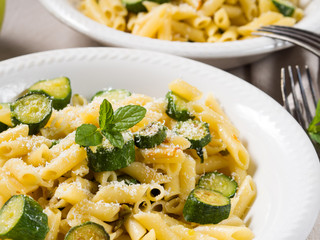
{"x":151,"y":135}
{"x":206,"y":206}
{"x":22,"y":218}
{"x":218,"y":182}
{"x":114,"y":95}
{"x":197,"y":132}
{"x":177,"y":107}
{"x":33,"y":109}
{"x":87,"y":230}
{"x":59,"y":90}
{"x":5,"y":114}
{"x":127,"y":179}
{"x":106,"y":157}
{"x":137,"y":6}
{"x":134,"y":6}
{"x":285,"y":7}
{"x":3,"y":127}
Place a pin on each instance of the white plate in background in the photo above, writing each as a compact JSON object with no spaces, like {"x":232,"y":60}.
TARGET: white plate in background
{"x":223,"y":55}
{"x":284,"y":164}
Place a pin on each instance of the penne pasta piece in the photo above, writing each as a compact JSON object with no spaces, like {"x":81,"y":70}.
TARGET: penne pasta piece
{"x":189,"y":32}
{"x":244,"y":197}
{"x":154,"y":221}
{"x":145,"y":174}
{"x":134,"y":228}
{"x":221,"y":19}
{"x":64,"y":162}
{"x":14,"y":133}
{"x":185,"y":90}
{"x":226,"y":232}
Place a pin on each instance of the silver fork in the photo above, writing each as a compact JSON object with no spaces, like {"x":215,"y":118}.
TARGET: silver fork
{"x":303,"y":107}
{"x":303,"y":38}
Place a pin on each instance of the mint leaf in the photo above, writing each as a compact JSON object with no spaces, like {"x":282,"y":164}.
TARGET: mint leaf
{"x":105,"y":114}
{"x":315,"y":137}
{"x":314,"y":126}
{"x":115,"y":138}
{"x":87,"y":135}
{"x":128,"y":116}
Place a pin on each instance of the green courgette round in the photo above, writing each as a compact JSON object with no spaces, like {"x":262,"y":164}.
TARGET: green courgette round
{"x":137,"y":6}
{"x":22,"y":218}
{"x":127,"y":179}
{"x":218,"y":182}
{"x":33,"y":109}
{"x":206,"y":207}
{"x":3,"y":127}
{"x":59,"y":90}
{"x":285,"y":7}
{"x":177,"y":107}
{"x":151,"y":135}
{"x":197,"y":132}
{"x":113,"y":94}
{"x":106,"y":157}
{"x":86,"y":231}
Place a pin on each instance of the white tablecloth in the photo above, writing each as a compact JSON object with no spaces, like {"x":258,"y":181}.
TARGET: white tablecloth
{"x":29,"y":28}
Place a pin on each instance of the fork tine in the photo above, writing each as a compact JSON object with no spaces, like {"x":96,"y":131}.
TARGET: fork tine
{"x":311,"y":85}
{"x":297,"y":36}
{"x":303,"y":95}
{"x":290,"y":31}
{"x":284,"y":90}
{"x":298,"y":111}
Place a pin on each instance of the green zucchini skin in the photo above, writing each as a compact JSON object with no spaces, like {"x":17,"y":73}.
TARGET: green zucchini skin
{"x":197,"y":142}
{"x":198,"y":211}
{"x":218,"y":182}
{"x":3,"y":127}
{"x":177,"y":107}
{"x":34,"y":124}
{"x":143,"y":140}
{"x":87,"y":230}
{"x":32,"y":224}
{"x":51,"y":87}
{"x":127,"y":179}
{"x":113,"y":94}
{"x":197,"y":133}
{"x":285,"y":7}
{"x":104,"y":159}
{"x":136,"y":6}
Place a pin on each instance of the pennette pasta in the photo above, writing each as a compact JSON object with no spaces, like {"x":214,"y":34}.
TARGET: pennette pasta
{"x":130,"y":180}
{"x":191,"y":20}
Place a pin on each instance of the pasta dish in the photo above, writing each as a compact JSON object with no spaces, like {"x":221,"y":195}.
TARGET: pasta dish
{"x":121,"y":166}
{"x":192,"y":20}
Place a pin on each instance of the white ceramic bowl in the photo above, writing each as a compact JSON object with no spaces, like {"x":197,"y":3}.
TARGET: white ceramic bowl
{"x":222,"y":55}
{"x":284,"y":164}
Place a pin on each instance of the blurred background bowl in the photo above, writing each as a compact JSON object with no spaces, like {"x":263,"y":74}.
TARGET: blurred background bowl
{"x":223,"y":55}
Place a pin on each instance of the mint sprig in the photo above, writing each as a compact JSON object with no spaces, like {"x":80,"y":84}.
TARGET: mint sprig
{"x":87,"y":135}
{"x":314,"y":126}
{"x":127,"y":116}
{"x":111,"y":125}
{"x":105,"y":114}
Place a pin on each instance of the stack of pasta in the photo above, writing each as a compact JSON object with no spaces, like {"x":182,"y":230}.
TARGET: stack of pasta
{"x":192,"y":20}
{"x":150,"y":202}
